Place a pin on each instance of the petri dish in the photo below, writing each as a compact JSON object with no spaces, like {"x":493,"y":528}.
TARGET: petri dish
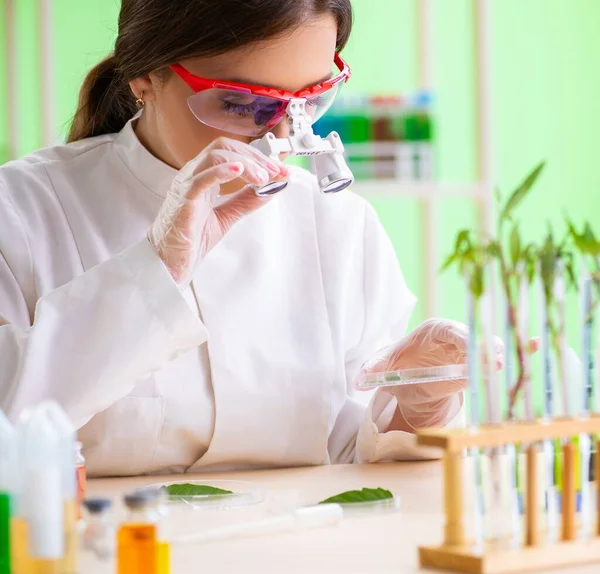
{"x":242,"y":494}
{"x":412,"y":376}
{"x":371,"y":507}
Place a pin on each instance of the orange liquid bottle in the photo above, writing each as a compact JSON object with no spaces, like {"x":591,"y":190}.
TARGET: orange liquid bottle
{"x":80,"y":470}
{"x":137,"y":541}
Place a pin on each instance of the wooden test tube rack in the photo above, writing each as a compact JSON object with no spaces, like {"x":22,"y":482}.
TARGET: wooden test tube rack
{"x":457,"y":554}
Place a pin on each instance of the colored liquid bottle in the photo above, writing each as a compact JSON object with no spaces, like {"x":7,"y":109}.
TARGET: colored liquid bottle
{"x":137,"y":538}
{"x":81,"y":477}
{"x":8,"y":439}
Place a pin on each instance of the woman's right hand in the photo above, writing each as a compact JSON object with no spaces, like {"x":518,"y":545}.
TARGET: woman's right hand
{"x":189,"y":224}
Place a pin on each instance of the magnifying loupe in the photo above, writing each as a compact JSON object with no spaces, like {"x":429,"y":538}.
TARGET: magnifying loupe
{"x":329,"y":165}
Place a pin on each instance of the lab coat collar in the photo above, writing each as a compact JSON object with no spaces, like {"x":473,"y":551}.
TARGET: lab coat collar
{"x":151,"y":172}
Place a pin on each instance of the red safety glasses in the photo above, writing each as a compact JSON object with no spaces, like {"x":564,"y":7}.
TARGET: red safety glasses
{"x":250,"y":110}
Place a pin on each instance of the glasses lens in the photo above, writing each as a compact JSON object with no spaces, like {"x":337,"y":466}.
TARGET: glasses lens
{"x":236,"y":112}
{"x":271,"y":188}
{"x":318,"y":105}
{"x":336,"y":186}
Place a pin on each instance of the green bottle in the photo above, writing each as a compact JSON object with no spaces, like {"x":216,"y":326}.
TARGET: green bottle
{"x":7,"y":468}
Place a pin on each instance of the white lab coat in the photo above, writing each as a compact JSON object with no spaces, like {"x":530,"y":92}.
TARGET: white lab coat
{"x":252,"y":366}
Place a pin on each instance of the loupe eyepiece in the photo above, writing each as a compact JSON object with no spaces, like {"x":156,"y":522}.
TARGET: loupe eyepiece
{"x":271,"y":188}
{"x":333,"y":174}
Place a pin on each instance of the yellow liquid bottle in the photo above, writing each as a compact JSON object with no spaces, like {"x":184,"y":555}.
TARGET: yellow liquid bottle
{"x":164,"y":557}
{"x":41,"y":566}
{"x":20,"y":561}
{"x":68,"y":563}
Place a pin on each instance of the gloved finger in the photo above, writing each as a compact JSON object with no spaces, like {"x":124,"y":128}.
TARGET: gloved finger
{"x":214,"y":176}
{"x":253,"y":173}
{"x":422,"y":393}
{"x":532,"y":347}
{"x":244,"y":202}
{"x":272,"y":165}
{"x":211,"y":156}
{"x":452,"y":333}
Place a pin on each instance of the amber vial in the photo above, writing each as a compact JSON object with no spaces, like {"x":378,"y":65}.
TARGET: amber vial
{"x":137,"y":543}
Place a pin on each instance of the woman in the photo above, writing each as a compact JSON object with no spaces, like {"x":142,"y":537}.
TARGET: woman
{"x":183,"y":322}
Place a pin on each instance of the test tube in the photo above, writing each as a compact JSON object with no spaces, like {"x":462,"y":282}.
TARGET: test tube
{"x":552,"y":504}
{"x":585,"y":440}
{"x":514,"y":460}
{"x":474,"y":458}
{"x":562,"y":350}
{"x":523,"y":327}
{"x":587,"y":325}
{"x":498,"y":520}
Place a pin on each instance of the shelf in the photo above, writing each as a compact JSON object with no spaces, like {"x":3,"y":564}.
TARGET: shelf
{"x":380,"y":188}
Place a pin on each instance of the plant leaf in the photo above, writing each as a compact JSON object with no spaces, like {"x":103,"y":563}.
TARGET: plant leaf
{"x":571,"y":276}
{"x":476,"y":282}
{"x":492,"y":249}
{"x":364,"y":495}
{"x":498,"y":195}
{"x":449,"y":261}
{"x":521,"y":192}
{"x":463,"y":236}
{"x":462,"y":246}
{"x":187,"y":489}
{"x":515,"y":245}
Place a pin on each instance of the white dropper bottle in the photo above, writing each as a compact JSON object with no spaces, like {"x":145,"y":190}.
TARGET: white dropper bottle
{"x":68,"y":442}
{"x":20,"y":560}
{"x":41,"y":495}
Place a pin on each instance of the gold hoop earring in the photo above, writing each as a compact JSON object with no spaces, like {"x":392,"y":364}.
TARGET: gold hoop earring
{"x":140,"y":101}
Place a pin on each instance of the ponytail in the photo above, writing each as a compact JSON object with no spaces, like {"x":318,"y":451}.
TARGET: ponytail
{"x":105,"y":105}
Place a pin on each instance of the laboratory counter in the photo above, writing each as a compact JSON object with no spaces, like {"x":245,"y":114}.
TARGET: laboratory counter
{"x":365,"y":543}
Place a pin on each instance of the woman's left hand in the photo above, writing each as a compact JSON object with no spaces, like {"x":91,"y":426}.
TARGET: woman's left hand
{"x":434,"y":343}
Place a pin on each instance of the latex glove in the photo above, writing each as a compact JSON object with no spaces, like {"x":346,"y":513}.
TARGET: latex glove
{"x":434,"y":343}
{"x":189,"y":224}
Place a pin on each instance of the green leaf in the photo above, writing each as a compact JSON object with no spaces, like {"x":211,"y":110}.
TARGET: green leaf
{"x":462,"y":237}
{"x":449,"y":261}
{"x":364,"y":495}
{"x":492,"y":249}
{"x":187,"y":489}
{"x":530,"y":260}
{"x":515,"y":245}
{"x":571,"y":275}
{"x":498,"y":195}
{"x":588,"y":233}
{"x":521,"y":192}
{"x":476,"y":282}
{"x":462,"y":247}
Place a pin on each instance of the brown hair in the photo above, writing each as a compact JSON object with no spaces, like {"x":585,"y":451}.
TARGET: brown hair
{"x":156,"y":33}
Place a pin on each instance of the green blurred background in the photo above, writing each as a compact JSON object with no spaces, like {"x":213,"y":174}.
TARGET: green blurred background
{"x":545,"y":101}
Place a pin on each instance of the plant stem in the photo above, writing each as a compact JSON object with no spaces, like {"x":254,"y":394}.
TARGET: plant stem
{"x":522,"y":376}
